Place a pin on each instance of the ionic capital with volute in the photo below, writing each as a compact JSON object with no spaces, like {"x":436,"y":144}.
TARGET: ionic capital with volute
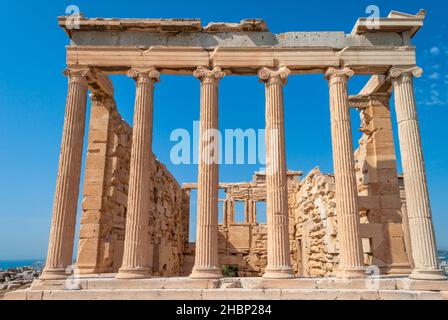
{"x":208,"y":75}
{"x":272,"y":76}
{"x":334,"y":75}
{"x":78,"y":74}
{"x":404,"y":74}
{"x":144,"y":74}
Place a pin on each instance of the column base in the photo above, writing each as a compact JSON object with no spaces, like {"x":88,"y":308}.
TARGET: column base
{"x":427,"y":274}
{"x":54,"y":274}
{"x":351,"y":273}
{"x":278,"y":273}
{"x":206,"y":273}
{"x":133,"y":273}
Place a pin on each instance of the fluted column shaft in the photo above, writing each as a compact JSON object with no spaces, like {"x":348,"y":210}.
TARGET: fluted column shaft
{"x":206,"y":255}
{"x":135,"y":257}
{"x":351,"y":263}
{"x":60,"y":246}
{"x":424,"y":250}
{"x":278,"y":253}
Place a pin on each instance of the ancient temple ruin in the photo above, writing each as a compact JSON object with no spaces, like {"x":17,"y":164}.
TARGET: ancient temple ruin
{"x":136,"y":216}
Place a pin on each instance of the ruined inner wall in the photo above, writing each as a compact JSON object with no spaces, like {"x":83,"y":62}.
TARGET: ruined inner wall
{"x":103,"y":220}
{"x":313,"y":216}
{"x":312,"y":205}
{"x":243,"y":244}
{"x":383,"y":229}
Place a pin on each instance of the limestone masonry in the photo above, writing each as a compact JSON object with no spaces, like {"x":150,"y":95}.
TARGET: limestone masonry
{"x":329,"y":231}
{"x":105,"y":200}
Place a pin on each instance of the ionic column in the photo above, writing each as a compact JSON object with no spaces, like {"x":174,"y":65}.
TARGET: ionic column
{"x":206,"y":258}
{"x":135,"y":257}
{"x":351,"y":263}
{"x":60,"y":245}
{"x":279,"y":258}
{"x":224,"y":212}
{"x":424,"y":250}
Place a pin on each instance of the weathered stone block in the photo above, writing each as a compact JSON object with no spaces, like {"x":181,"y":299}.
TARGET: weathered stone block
{"x":92,"y":203}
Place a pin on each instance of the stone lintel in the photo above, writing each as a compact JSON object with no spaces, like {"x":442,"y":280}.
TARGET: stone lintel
{"x":256,"y":179}
{"x":101,"y":84}
{"x":376,"y":84}
{"x":189,"y":185}
{"x":363,"y":101}
{"x":184,"y":60}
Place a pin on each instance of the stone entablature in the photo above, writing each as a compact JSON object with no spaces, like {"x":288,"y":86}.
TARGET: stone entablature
{"x":180,"y":45}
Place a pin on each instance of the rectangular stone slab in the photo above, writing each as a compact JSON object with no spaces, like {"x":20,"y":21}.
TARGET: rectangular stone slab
{"x":240,"y":60}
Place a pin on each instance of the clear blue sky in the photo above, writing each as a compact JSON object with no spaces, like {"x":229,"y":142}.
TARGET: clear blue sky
{"x":33,"y":91}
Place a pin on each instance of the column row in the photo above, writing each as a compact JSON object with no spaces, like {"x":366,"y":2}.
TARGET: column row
{"x":135,"y":258}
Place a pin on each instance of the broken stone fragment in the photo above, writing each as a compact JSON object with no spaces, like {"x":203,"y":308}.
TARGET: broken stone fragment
{"x":245,"y":25}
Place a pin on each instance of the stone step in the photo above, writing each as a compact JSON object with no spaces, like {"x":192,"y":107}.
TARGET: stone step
{"x":110,"y":283}
{"x":224,"y":294}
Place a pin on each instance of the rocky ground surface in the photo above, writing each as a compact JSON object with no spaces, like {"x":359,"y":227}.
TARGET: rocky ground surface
{"x":18,"y":278}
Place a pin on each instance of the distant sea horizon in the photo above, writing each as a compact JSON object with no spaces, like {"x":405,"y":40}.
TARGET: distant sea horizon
{"x":15,"y":263}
